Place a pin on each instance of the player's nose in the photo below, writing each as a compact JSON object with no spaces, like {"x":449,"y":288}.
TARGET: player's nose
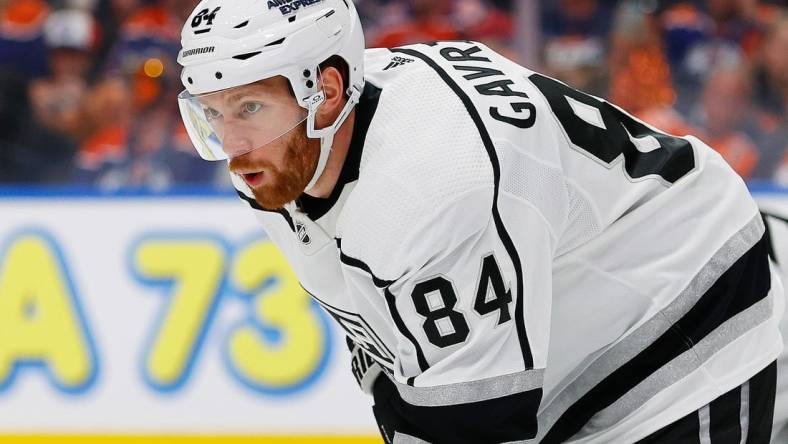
{"x":236,"y":142}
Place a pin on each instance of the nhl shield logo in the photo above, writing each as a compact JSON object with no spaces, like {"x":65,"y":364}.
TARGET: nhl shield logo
{"x":302,"y":234}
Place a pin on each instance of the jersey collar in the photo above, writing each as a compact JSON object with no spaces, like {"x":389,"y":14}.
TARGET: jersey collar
{"x":317,"y":207}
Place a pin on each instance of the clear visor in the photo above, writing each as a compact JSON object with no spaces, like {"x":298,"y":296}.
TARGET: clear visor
{"x":231,"y":122}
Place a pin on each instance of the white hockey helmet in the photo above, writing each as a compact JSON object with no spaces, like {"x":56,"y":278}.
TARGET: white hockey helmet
{"x":231,"y":43}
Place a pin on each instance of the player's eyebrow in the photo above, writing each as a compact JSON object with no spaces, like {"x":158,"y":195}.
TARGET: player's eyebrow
{"x":236,"y":97}
{"x":244,"y":91}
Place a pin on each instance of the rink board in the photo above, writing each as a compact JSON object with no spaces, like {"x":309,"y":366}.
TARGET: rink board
{"x":111,"y":342}
{"x":156,"y":316}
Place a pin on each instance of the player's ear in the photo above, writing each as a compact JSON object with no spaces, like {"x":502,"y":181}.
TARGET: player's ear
{"x":334,"y":89}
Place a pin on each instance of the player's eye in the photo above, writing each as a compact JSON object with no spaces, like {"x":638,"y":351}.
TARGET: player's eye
{"x":252,"y":107}
{"x":211,"y":114}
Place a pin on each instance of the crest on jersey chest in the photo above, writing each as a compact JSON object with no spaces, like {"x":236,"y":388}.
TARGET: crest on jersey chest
{"x":360,"y":332}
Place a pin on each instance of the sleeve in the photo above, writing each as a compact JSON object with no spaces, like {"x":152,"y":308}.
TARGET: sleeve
{"x":363,"y":366}
{"x":465,"y":368}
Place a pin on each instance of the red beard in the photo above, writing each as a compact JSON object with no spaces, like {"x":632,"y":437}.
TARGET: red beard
{"x":286,"y":184}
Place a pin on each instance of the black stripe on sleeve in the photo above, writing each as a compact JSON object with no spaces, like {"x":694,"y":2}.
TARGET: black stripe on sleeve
{"x":391,"y":301}
{"x":502,"y":233}
{"x":762,"y":392}
{"x":506,"y":419}
{"x":746,"y":282}
{"x":253,"y":203}
{"x":724,"y":418}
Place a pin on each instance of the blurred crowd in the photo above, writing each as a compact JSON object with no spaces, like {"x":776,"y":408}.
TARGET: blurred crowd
{"x":88,"y":87}
{"x":89,"y":94}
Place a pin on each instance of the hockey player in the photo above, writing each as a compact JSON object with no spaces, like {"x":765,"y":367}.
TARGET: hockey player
{"x":512,"y":259}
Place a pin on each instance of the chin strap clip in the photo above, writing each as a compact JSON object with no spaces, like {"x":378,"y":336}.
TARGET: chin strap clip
{"x":326,"y":135}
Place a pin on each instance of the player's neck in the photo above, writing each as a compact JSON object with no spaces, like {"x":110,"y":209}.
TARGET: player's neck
{"x":336,"y":159}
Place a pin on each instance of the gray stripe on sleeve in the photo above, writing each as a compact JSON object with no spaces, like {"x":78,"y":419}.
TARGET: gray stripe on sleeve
{"x":744,"y":413}
{"x":704,"y":417}
{"x":625,"y":350}
{"x":685,"y":363}
{"x":474,"y":391}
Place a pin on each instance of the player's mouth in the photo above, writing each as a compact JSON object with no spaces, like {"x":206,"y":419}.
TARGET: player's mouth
{"x":254,"y":179}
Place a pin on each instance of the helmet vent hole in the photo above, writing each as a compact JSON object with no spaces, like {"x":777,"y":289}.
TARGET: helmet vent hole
{"x":276,"y":42}
{"x":291,"y":19}
{"x":246,"y":56}
{"x":218,"y":75}
{"x":241,"y":25}
{"x":189,"y":79}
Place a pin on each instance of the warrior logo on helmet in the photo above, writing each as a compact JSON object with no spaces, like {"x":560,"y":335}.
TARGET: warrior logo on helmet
{"x":196,"y":51}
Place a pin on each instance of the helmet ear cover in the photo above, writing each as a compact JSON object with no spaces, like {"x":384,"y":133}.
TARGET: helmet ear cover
{"x":335,"y":62}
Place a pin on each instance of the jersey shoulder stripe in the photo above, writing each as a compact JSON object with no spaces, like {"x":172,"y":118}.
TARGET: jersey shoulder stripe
{"x":493,"y":156}
{"x":256,"y":206}
{"x":358,"y":263}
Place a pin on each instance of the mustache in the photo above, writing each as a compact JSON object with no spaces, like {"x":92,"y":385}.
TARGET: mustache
{"x":247,"y":163}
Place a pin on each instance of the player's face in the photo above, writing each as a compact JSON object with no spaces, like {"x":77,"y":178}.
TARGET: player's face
{"x":278,"y":172}
{"x":263,"y":133}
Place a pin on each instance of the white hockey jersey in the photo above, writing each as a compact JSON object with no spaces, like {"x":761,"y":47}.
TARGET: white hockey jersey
{"x":511,"y":249}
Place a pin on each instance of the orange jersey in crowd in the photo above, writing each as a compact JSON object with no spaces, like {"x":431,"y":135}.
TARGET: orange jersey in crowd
{"x":23,"y":19}
{"x":413,"y":32}
{"x":153,"y":21}
{"x":106,"y":145}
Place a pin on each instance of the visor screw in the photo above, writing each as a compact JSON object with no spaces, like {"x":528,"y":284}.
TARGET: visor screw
{"x":189,"y":79}
{"x":218,"y":75}
{"x":310,"y":83}
{"x":307,"y":73}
